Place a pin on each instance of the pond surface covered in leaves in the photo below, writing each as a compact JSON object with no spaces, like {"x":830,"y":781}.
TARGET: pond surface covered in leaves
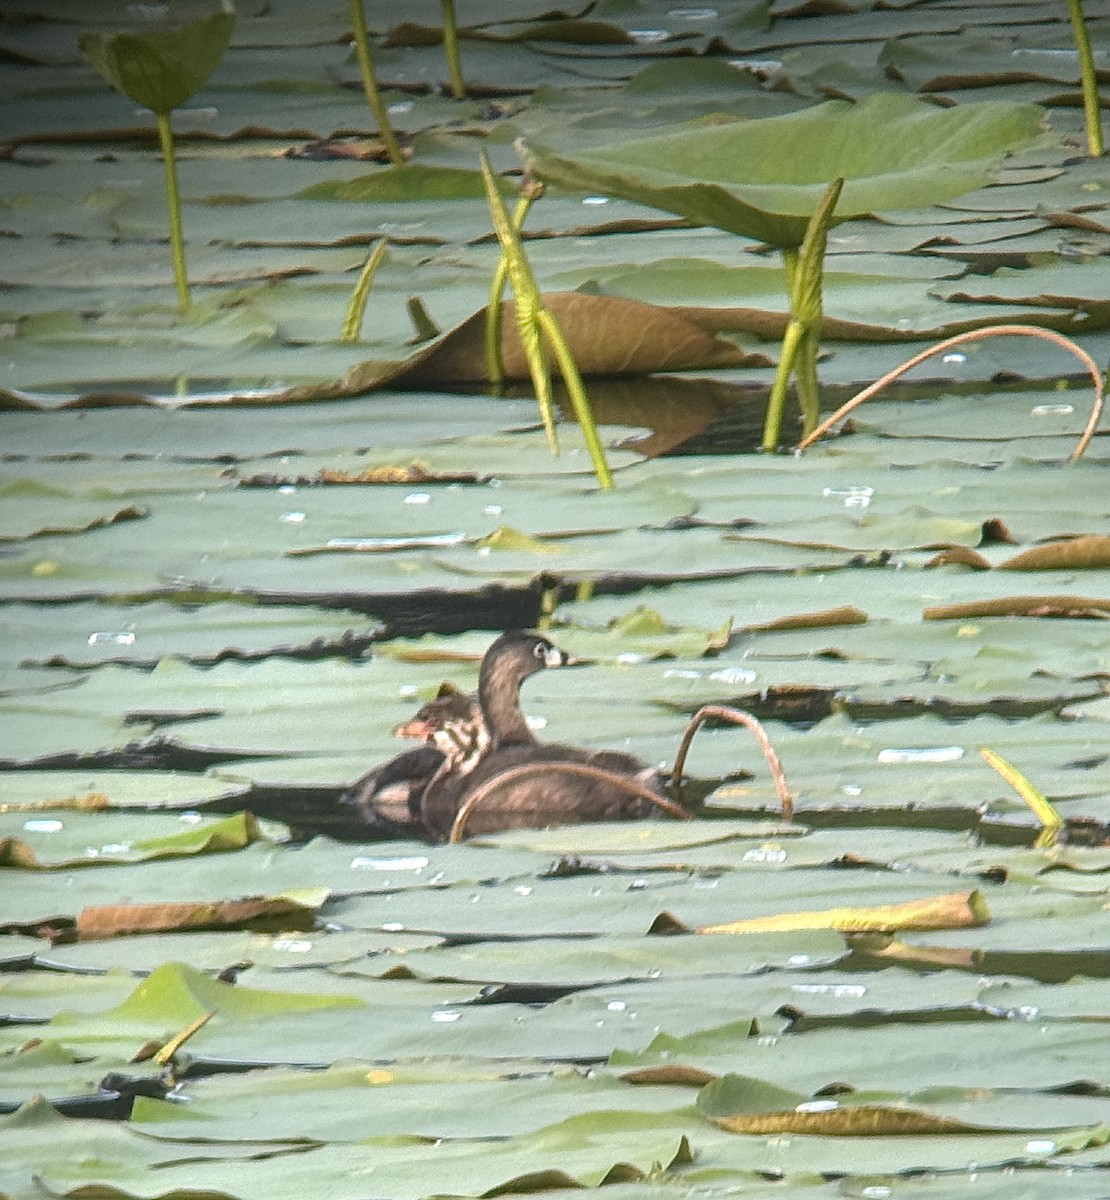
{"x":215,"y":613}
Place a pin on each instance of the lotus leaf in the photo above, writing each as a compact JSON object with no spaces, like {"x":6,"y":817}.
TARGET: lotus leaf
{"x":763,"y":178}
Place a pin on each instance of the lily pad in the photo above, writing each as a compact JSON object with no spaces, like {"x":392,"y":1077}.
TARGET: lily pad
{"x":762,"y":179}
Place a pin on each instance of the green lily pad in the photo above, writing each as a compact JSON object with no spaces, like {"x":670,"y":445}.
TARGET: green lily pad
{"x":762,"y":179}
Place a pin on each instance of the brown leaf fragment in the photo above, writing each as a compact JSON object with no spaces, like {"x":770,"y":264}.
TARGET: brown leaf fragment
{"x":607,"y":335}
{"x":866,"y":1120}
{"x":1082,"y":607}
{"x":15,"y":852}
{"x":673,"y":1075}
{"x":953,"y":910}
{"x":412,"y":33}
{"x":962,"y":556}
{"x":256,"y":913}
{"x":845,"y":614}
{"x":89,"y":802}
{"x":667,"y":923}
{"x":996,"y":530}
{"x":1069,"y":554}
{"x":361,"y":150}
{"x":413,"y":472}
{"x":1074,"y":220}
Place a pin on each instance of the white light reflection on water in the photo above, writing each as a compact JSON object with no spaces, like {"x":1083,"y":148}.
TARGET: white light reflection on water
{"x":920,"y":754}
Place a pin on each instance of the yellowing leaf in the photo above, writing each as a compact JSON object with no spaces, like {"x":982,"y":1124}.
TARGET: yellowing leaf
{"x":1050,"y":819}
{"x":954,"y":910}
{"x":504,"y":537}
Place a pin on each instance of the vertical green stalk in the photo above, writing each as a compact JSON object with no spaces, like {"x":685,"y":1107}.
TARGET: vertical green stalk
{"x":1088,"y":79}
{"x":576,"y":389}
{"x":451,"y":50}
{"x":495,"y":368}
{"x":805,"y":268}
{"x":776,"y":403}
{"x":370,"y":83}
{"x":534,"y":323}
{"x":356,"y":309}
{"x":173,"y":203}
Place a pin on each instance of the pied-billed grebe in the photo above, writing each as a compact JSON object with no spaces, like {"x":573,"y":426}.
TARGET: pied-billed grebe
{"x":534,"y":797}
{"x":454,"y":724}
{"x":508,"y":662}
{"x":457,"y":730}
{"x":389,"y":796}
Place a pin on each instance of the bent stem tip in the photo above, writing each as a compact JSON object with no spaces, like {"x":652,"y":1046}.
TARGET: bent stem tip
{"x":737,"y":716}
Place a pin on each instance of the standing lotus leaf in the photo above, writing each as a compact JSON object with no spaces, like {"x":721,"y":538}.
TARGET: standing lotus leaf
{"x":764,"y":178}
{"x":786,"y":180}
{"x":160,"y":68}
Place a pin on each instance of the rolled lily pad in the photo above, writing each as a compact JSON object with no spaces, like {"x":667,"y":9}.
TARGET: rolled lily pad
{"x":762,"y":179}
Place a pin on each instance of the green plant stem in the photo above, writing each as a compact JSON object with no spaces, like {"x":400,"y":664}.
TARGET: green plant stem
{"x":451,"y":50}
{"x":424,"y":328}
{"x":776,"y":403}
{"x":370,"y":83}
{"x":535,"y":323}
{"x":805,"y":273}
{"x":576,"y":389}
{"x":1088,"y":79}
{"x":495,"y":368}
{"x":173,"y":204}
{"x":356,"y":309}
{"x":805,"y":376}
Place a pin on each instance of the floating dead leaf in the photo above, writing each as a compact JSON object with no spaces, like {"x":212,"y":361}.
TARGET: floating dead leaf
{"x":89,"y":802}
{"x":866,"y":1120}
{"x":1084,"y":607}
{"x":256,"y":913}
{"x":845,"y":614}
{"x":607,"y":335}
{"x":1079,"y":553}
{"x":961,"y":556}
{"x":414,"y":472}
{"x":675,"y":1075}
{"x":886,"y":949}
{"x":953,"y":910}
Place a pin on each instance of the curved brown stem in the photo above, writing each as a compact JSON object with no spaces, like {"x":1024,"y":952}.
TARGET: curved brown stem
{"x":626,"y":782}
{"x":1048,"y":335}
{"x":737,"y":716}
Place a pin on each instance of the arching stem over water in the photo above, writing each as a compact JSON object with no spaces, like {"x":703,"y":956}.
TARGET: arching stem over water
{"x":737,"y":716}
